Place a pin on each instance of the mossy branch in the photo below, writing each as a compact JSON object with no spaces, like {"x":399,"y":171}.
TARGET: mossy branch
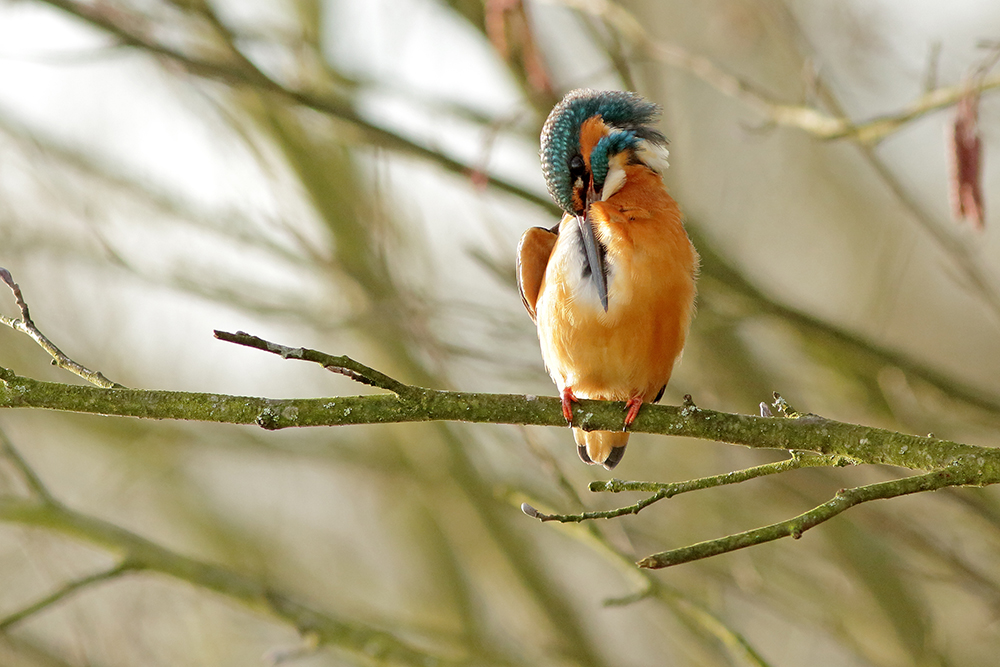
{"x":860,"y":444}
{"x":830,"y":442}
{"x":661,"y":490}
{"x":954,"y":475}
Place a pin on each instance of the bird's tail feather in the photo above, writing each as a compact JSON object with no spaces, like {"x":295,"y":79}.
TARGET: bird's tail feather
{"x":604,"y":447}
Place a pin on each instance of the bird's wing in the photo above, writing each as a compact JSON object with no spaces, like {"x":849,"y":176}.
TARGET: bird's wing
{"x":532,"y":257}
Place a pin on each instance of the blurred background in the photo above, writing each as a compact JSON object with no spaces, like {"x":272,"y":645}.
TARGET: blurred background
{"x":353,"y":176}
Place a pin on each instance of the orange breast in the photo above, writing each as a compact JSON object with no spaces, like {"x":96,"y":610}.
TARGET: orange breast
{"x":630,"y":350}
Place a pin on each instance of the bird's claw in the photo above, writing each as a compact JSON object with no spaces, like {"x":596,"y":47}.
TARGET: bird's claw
{"x":632,"y":408}
{"x":568,"y":398}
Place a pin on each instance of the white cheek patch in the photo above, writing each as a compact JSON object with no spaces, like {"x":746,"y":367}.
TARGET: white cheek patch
{"x":615,"y":179}
{"x":653,"y":155}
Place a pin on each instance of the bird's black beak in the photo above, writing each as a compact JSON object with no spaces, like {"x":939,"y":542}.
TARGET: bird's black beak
{"x":593,"y":250}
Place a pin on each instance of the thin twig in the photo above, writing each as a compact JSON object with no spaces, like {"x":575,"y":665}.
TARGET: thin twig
{"x":661,"y":490}
{"x":65,"y":591}
{"x":795,"y":527}
{"x":26,"y":326}
{"x":597,"y":514}
{"x":337,"y":364}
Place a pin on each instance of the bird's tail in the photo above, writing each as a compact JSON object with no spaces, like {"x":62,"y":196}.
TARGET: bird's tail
{"x":604,"y":447}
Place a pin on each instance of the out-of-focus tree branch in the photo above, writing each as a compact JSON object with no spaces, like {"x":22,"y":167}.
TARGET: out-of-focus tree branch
{"x":64,"y":591}
{"x":809,"y":119}
{"x":864,"y":358}
{"x":240,"y":72}
{"x":139,"y":554}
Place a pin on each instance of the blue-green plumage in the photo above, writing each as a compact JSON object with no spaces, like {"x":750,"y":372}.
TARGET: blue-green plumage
{"x":561,"y":134}
{"x":612,"y":144}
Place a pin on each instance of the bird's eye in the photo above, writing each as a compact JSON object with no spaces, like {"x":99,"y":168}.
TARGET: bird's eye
{"x":576,"y":165}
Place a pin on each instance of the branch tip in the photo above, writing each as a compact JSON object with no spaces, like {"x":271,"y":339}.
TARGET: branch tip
{"x":783,"y":408}
{"x":530,"y":511}
{"x":597,"y":486}
{"x":16,"y":291}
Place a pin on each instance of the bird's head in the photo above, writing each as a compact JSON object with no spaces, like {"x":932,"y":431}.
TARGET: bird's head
{"x":587,"y":141}
{"x":589,"y":137}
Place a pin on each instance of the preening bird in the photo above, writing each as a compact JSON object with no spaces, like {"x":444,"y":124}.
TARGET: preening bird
{"x":612,"y":286}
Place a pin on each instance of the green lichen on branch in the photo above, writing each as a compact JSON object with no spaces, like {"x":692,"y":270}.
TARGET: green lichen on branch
{"x":862,"y":444}
{"x":831,"y":443}
{"x":663,"y":490}
{"x":954,"y":475}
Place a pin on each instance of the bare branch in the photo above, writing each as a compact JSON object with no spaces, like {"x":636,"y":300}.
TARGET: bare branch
{"x":953,"y":464}
{"x":844,"y":500}
{"x":864,"y":444}
{"x":342,"y":364}
{"x":26,"y":326}
{"x":663,"y":490}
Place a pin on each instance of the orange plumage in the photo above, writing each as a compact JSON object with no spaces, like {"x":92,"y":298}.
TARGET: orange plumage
{"x":627,"y":352}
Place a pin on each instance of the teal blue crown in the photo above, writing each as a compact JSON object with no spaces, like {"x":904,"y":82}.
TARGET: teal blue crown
{"x":628,"y":112}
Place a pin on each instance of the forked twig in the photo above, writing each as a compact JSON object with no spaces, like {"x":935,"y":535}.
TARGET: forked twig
{"x":794,"y":527}
{"x":661,"y":490}
{"x":26,"y":326}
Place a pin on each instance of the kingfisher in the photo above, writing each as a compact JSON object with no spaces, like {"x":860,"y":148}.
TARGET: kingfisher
{"x":611,"y":288}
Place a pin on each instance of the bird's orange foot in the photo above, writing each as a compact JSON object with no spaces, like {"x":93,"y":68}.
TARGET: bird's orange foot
{"x":632,"y":410}
{"x":568,"y":398}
